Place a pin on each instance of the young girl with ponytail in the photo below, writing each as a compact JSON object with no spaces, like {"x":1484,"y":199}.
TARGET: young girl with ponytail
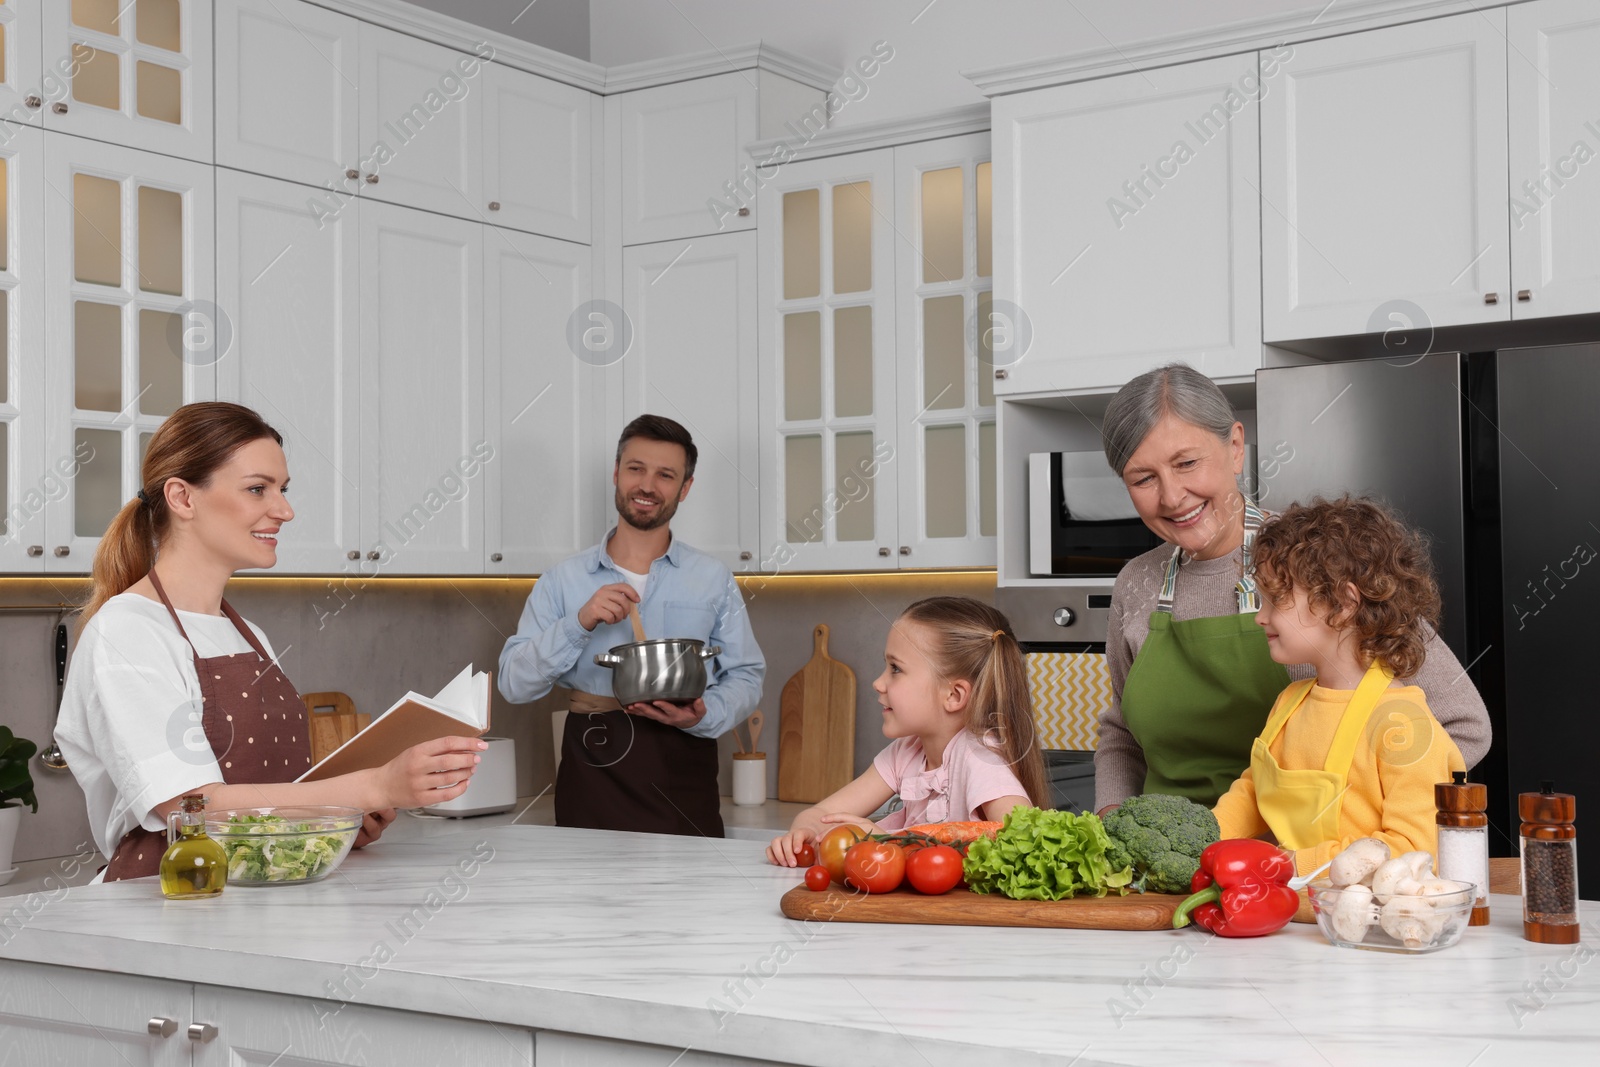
{"x":170,"y":691}
{"x":955,"y":700}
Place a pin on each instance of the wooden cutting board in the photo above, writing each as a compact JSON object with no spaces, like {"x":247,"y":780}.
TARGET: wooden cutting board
{"x":962,"y":907}
{"x":817,"y":727}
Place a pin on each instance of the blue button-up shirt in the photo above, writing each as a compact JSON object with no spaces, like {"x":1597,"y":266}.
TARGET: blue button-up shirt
{"x":689,"y":595}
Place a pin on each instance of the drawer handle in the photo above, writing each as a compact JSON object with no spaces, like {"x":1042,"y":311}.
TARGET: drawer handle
{"x":1491,"y":298}
{"x":34,"y":102}
{"x":62,"y":551}
{"x":883,"y":551}
{"x":352,"y":554}
{"x":159,"y":1027}
{"x":494,"y":205}
{"x":202,"y":1032}
{"x":372,"y":179}
{"x":59,"y":108}
{"x":1524,"y":295}
{"x":352,"y":174}
{"x":495,"y":557}
{"x":36,"y":550}
{"x":746,"y":556}
{"x":373,"y":555}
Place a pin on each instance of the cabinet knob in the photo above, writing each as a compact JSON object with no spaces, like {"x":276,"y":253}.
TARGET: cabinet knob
{"x":905,"y":550}
{"x":1491,"y":298}
{"x":35,"y":551}
{"x":1000,"y":375}
{"x":372,"y":179}
{"x":494,"y":205}
{"x":744,"y":213}
{"x":202,"y":1032}
{"x":352,"y":554}
{"x":746,"y":556}
{"x":159,"y":1027}
{"x":495,"y":557}
{"x":62,"y":551}
{"x":1524,"y":295}
{"x":59,"y":108}
{"x":373,"y":555}
{"x":352,"y":173}
{"x":883,"y":551}
{"x":33,"y":102}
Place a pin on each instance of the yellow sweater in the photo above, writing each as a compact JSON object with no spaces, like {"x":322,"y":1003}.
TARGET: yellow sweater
{"x":1389,"y":793}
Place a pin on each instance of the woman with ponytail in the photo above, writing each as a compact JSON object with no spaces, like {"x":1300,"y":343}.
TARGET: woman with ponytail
{"x":170,"y":691}
{"x":955,"y":700}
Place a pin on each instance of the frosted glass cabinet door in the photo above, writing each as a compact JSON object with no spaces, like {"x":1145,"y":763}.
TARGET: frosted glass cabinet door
{"x":22,"y":93}
{"x":422,"y":425}
{"x":542,"y":490}
{"x":537,"y":135}
{"x":287,"y":78}
{"x":693,"y":359}
{"x":28,"y":480}
{"x":138,"y":71}
{"x":1383,"y":181}
{"x":290,"y":284}
{"x":132,"y":328}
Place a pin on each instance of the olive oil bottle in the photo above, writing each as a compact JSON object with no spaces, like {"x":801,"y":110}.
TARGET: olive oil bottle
{"x":194,"y":865}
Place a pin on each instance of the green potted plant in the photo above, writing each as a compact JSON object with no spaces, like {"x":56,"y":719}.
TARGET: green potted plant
{"x":16,"y":789}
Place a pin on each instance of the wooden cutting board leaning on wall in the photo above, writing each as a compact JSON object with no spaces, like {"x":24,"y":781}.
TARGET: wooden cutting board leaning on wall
{"x":817,"y":727}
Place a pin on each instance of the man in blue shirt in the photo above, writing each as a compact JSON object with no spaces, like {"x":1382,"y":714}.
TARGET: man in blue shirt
{"x":647,"y":767}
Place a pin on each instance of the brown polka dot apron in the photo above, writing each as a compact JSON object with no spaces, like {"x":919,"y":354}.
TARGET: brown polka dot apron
{"x":254,"y":720}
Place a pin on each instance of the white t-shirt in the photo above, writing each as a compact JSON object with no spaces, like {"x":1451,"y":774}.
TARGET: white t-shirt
{"x":130,"y":714}
{"x":637,"y":580}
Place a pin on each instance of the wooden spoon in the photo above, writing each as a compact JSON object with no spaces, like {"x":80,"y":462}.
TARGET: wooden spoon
{"x":638,"y":623}
{"x":755,"y":730}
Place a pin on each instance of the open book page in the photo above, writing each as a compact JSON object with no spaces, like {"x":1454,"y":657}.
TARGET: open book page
{"x":460,"y":709}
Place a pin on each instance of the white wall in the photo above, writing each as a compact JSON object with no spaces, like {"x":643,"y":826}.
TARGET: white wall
{"x":933,"y":42}
{"x":562,"y":25}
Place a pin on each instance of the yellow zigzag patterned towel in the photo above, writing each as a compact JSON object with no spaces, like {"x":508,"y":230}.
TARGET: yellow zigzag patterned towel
{"x":1070,"y":690}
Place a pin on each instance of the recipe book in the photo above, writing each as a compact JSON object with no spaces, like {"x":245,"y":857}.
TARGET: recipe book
{"x":460,"y":709}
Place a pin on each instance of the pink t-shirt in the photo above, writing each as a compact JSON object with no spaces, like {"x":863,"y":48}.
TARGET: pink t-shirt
{"x":971,"y":775}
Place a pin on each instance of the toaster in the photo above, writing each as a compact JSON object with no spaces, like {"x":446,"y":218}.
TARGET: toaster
{"x":494,"y":784}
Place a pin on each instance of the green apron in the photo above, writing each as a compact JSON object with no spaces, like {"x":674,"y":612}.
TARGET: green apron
{"x":1199,"y":691}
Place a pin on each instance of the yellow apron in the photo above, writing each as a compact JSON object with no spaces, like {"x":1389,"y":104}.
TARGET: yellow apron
{"x":1302,"y":806}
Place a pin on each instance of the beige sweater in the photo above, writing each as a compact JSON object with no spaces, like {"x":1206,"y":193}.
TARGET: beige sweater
{"x":1206,"y":588}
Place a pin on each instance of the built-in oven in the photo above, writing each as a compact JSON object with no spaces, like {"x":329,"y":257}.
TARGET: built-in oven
{"x":1062,"y":630}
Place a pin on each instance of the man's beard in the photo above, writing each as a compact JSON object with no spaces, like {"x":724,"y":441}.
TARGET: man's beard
{"x":663,"y":515}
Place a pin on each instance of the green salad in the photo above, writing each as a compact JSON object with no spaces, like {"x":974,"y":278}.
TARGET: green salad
{"x":260,"y":849}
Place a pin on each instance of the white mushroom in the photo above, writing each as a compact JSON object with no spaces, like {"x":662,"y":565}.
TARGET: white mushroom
{"x":1411,"y":920}
{"x":1356,"y":864}
{"x":1354,"y":913}
{"x":1401,"y":876}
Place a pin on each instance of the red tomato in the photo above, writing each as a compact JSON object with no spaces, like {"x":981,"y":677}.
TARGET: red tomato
{"x":875,"y":866}
{"x":834,"y":844}
{"x":805,"y":855}
{"x":817,"y":878}
{"x":934,"y":870}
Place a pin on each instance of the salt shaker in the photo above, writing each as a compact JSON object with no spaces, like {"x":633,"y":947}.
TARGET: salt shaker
{"x":1549,"y":866}
{"x":1464,"y":838}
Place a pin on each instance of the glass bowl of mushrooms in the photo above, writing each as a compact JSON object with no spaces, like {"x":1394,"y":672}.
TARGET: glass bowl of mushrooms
{"x":1430,"y":916}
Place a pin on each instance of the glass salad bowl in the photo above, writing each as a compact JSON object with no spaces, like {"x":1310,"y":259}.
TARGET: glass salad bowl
{"x":1351,"y":918}
{"x":283,"y":845}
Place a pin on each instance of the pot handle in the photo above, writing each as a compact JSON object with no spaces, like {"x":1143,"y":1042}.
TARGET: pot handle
{"x":714,"y":650}
{"x":606,"y":659}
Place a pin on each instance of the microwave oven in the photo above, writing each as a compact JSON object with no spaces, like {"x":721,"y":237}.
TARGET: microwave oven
{"x":1081,"y":523}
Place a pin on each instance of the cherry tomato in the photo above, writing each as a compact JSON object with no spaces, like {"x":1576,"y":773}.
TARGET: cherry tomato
{"x":834,"y":844}
{"x":934,"y":870}
{"x":805,"y":855}
{"x":817,"y":878}
{"x":875,"y":866}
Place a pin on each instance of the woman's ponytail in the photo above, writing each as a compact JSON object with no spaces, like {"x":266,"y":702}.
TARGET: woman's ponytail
{"x":126,"y":553}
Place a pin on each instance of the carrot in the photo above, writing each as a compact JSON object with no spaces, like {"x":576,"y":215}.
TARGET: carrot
{"x":955,"y":833}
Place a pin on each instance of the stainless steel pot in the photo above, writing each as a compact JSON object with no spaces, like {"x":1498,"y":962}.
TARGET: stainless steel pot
{"x":672,"y":669}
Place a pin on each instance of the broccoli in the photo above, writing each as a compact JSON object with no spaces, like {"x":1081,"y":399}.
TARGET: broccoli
{"x":1161,"y":838}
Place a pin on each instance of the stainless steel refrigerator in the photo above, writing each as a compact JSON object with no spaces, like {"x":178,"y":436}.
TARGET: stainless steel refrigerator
{"x":1496,"y":456}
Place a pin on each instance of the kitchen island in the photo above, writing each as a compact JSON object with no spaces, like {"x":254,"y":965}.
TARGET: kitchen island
{"x":540,"y":944}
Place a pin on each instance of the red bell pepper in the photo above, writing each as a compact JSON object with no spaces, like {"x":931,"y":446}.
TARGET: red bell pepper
{"x":1241,"y":890}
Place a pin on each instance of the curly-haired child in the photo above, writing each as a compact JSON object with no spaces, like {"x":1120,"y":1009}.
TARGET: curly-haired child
{"x":1350,"y":753}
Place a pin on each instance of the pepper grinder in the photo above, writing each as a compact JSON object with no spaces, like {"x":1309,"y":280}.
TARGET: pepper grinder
{"x":1464,"y":838}
{"x":1549,"y":866}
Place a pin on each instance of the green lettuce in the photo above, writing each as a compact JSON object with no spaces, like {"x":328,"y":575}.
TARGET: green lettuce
{"x":254,"y":856}
{"x":1045,"y":855}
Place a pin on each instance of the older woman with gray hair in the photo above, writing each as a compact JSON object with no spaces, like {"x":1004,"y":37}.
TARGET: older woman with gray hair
{"x":1191,"y":678}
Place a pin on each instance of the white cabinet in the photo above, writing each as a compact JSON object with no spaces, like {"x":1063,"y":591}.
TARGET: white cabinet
{"x":62,"y":1015}
{"x":1553,"y":85}
{"x":287,"y":91}
{"x":421,"y":391}
{"x":265,"y":1028}
{"x":28,"y":481}
{"x":131,"y":332}
{"x":421,"y":125}
{"x":289,"y":283}
{"x":1128,"y":226}
{"x":692,"y":305}
{"x":138,"y":74}
{"x":537,"y":139}
{"x":542,"y":489}
{"x":1383,"y":180}
{"x":22,"y":91}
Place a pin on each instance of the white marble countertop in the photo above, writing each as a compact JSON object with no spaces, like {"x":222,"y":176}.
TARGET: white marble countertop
{"x":679,"y":941}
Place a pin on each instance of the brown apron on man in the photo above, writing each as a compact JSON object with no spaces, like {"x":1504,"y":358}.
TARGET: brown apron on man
{"x":254,"y":720}
{"x":626,"y":772}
